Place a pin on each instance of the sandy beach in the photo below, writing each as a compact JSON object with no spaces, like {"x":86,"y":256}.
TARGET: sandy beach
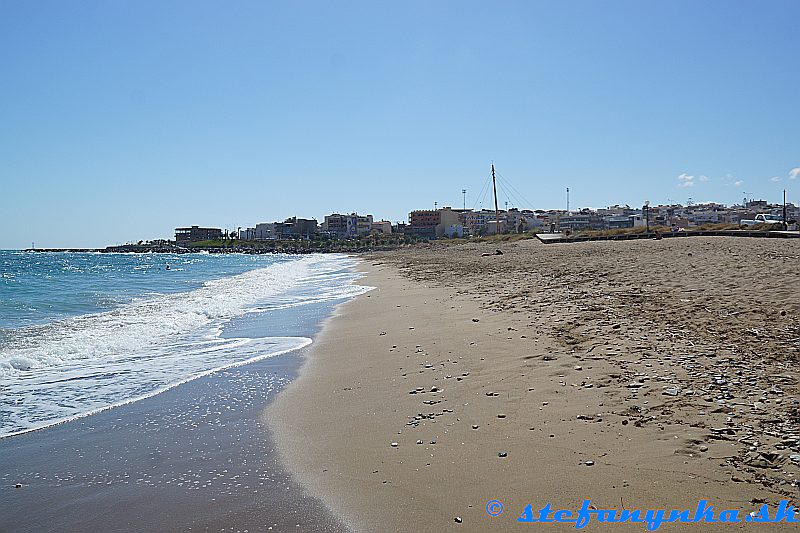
{"x":640,"y":375}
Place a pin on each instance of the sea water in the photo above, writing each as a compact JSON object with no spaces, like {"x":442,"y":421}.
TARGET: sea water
{"x":83,"y":332}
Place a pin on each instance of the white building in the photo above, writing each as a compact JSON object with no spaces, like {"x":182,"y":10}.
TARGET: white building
{"x":248,"y":234}
{"x":265,"y":231}
{"x":382,"y":226}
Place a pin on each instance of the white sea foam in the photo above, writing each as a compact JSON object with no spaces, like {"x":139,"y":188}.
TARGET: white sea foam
{"x":78,"y":391}
{"x":159,"y":320}
{"x":88,"y":363}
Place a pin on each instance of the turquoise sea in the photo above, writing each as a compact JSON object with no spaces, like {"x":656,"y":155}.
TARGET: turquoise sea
{"x":83,"y":332}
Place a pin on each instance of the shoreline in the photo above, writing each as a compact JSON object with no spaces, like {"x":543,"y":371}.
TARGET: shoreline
{"x":193,"y":457}
{"x":546,"y":376}
{"x":292,"y":246}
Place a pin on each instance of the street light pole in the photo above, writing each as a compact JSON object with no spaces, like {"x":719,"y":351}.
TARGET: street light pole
{"x":785,"y":222}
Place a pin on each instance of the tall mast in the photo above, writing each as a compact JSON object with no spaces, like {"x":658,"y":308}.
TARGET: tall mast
{"x":496,"y":210}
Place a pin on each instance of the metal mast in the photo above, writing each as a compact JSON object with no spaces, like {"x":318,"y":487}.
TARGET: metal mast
{"x":785,"y":222}
{"x":496,"y":210}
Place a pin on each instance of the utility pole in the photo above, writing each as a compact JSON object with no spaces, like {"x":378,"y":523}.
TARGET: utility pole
{"x":496,"y":210}
{"x":464,"y":193}
{"x":646,"y":209}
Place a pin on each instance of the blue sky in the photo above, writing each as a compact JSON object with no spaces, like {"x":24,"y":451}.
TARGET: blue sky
{"x":122,"y":120}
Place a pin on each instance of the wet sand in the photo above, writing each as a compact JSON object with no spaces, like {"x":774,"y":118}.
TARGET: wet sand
{"x":640,"y":375}
{"x":194,"y":458}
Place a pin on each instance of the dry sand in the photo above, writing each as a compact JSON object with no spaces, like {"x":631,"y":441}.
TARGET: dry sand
{"x":638,"y":374}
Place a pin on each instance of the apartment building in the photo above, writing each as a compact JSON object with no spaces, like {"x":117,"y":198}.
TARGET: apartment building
{"x":196,"y":233}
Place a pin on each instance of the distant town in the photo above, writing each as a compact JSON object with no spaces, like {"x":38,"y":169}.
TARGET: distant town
{"x":448,"y":222}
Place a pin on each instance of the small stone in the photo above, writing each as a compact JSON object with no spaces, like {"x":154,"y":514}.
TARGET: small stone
{"x":394,"y":445}
{"x":501,"y":415}
{"x":724,"y":431}
{"x":589,"y":463}
{"x":420,"y":442}
{"x":475,"y":320}
{"x":672,"y":391}
{"x":18,"y":486}
{"x":578,"y":367}
{"x":502,"y":454}
{"x":703,"y":448}
{"x":457,"y":520}
{"x":475,"y":426}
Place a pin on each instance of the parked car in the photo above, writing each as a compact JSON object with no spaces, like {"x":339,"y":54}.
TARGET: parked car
{"x":762,"y":218}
